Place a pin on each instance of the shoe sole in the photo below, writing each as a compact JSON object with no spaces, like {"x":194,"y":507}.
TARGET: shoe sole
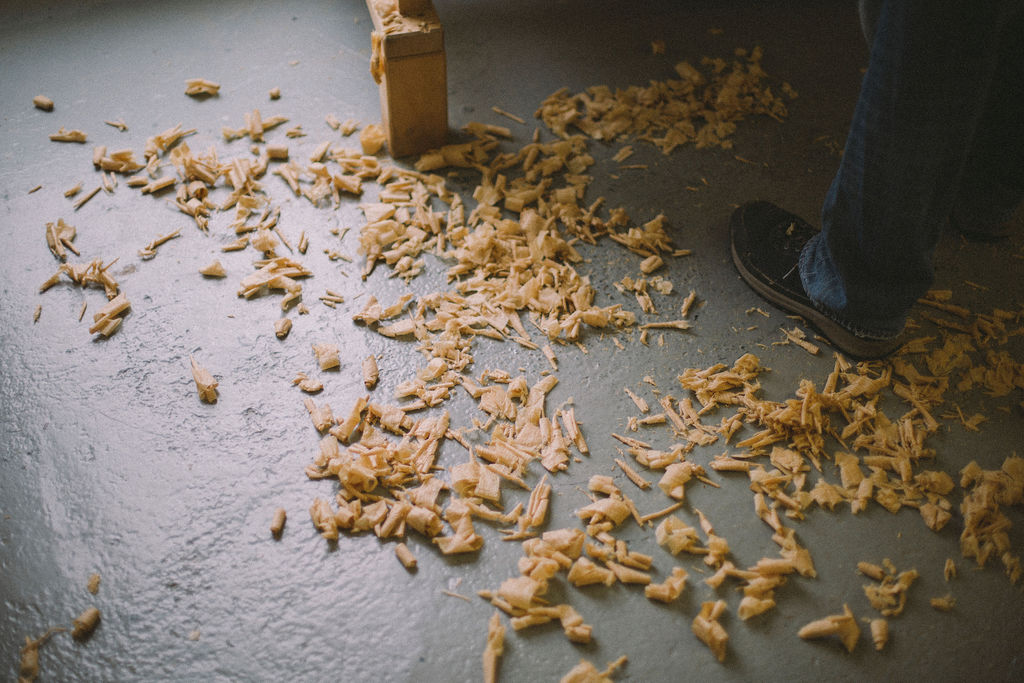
{"x":844,"y":340}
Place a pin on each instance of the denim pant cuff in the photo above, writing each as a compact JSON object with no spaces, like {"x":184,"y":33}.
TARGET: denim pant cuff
{"x":824,"y":287}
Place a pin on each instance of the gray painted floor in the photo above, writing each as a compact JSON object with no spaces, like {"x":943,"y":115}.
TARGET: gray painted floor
{"x":110,"y":463}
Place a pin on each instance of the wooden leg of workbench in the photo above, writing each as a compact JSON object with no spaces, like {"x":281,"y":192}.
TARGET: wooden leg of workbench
{"x":414,"y":103}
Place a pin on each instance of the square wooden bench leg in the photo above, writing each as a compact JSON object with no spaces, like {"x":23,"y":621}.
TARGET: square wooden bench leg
{"x":409,"y":63}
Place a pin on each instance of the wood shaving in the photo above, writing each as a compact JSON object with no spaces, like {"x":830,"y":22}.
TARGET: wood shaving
{"x":842,"y":625}
{"x":709,"y":630}
{"x":585,"y":672}
{"x":42,"y":102}
{"x":371,"y":139}
{"x":106,"y":321}
{"x":60,"y":237}
{"x":282,"y":326}
{"x":73,"y":135}
{"x":277,"y":523}
{"x":889,"y":594}
{"x":93,"y":585}
{"x":799,"y":337}
{"x":670,"y":589}
{"x":879,"y":633}
{"x":944,"y":603}
{"x":149,"y":251}
{"x":214,"y":269}
{"x":327,"y":355}
{"x":86,"y":197}
{"x":370,"y":372}
{"x":307,"y":384}
{"x":494,"y":648}
{"x":85,"y":623}
{"x":195,"y":87}
{"x":405,"y":556}
{"x":502,"y":112}
{"x":28,"y":669}
{"x":206,"y":385}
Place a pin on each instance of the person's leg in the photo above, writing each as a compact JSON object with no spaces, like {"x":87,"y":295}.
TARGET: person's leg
{"x":868,"y":10}
{"x":992,"y":186}
{"x":927,"y":84}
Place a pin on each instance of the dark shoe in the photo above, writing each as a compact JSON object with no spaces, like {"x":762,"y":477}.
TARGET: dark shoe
{"x":766,"y":245}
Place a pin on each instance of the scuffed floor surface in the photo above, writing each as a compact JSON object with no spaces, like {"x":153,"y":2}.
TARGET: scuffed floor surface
{"x":111,"y":464}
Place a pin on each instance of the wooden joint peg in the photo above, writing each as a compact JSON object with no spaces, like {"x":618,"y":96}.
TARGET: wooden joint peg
{"x":409,"y":64}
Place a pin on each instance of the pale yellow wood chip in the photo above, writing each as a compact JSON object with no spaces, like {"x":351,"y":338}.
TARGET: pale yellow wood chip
{"x":282,"y":326}
{"x":214,"y":269}
{"x":86,"y":197}
{"x":42,"y":102}
{"x":195,"y":87}
{"x":277,"y":523}
{"x":370,"y":372}
{"x":327,"y":355}
{"x":85,"y":623}
{"x":93,"y":585}
{"x":494,"y":648}
{"x":206,"y":385}
{"x":73,"y":135}
{"x":405,"y":556}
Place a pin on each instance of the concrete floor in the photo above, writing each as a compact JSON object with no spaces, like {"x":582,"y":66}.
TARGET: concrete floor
{"x":110,"y":464}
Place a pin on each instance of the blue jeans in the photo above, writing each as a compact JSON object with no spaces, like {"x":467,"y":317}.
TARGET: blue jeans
{"x":935,"y":132}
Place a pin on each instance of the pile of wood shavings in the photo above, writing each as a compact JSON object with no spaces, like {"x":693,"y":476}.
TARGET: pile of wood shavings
{"x":698,"y":108}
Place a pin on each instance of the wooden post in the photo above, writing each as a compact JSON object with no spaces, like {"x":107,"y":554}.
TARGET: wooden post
{"x":409,"y":63}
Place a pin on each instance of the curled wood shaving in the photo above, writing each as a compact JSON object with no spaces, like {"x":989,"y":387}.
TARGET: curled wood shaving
{"x":842,"y":625}
{"x":277,"y":523}
{"x":879,"y":633}
{"x":29,"y":666}
{"x":494,"y":648}
{"x":85,"y":623}
{"x":307,"y":384}
{"x":585,"y":672}
{"x":201,"y":86}
{"x":149,"y":251}
{"x":106,"y":321}
{"x":709,"y":630}
{"x":60,"y":237}
{"x":74,"y":135}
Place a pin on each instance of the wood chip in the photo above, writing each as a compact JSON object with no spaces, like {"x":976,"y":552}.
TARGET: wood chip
{"x":214,"y":269}
{"x":842,"y":625}
{"x":85,"y":623}
{"x":277,"y":523}
{"x":29,"y":667}
{"x":708,"y":629}
{"x":494,"y":648}
{"x":86,"y":197}
{"x":405,"y":556}
{"x":206,"y":385}
{"x":68,"y":136}
{"x":194,"y":87}
{"x":370,"y":372}
{"x":42,"y":102}
{"x":327,"y":355}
